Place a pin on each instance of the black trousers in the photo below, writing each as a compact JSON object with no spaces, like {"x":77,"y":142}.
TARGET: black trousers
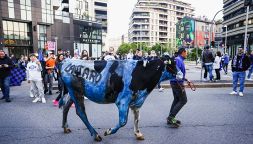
{"x":217,"y":71}
{"x":180,"y":99}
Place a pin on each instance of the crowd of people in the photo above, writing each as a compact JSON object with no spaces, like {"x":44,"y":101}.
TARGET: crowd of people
{"x":41,"y":72}
{"x":240,"y":63}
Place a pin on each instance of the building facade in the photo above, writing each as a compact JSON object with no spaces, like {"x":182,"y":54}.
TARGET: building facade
{"x":235,"y":20}
{"x":218,"y":36}
{"x":154,"y":21}
{"x":30,"y":25}
{"x":193,"y":32}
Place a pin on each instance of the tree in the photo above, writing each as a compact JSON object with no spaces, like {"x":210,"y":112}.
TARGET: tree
{"x":124,"y":48}
{"x":192,"y":55}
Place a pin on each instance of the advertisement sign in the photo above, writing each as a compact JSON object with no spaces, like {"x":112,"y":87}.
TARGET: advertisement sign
{"x":185,"y":34}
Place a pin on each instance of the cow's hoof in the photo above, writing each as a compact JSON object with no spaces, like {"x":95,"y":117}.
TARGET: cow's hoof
{"x":67,"y":130}
{"x":108,"y":132}
{"x":139,"y":136}
{"x":98,"y":138}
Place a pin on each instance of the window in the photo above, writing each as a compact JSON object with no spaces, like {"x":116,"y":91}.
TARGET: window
{"x":16,"y":33}
{"x":11,"y":9}
{"x":101,"y":4}
{"x":42,"y":36}
{"x":47,"y":11}
{"x":25,"y":7}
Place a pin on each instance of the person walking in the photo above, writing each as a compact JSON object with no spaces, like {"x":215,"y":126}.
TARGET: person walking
{"x":217,"y":65}
{"x":251,"y":67}
{"x":208,"y":60}
{"x":225,"y":63}
{"x":178,"y":89}
{"x":34,"y":77}
{"x":5,"y":71}
{"x":240,"y":64}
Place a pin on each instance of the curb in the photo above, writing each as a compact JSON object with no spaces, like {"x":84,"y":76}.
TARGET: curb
{"x":205,"y":85}
{"x":200,"y":85}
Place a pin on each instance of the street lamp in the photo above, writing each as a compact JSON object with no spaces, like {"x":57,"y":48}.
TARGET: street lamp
{"x":211,"y":28}
{"x":246,"y":29}
{"x":226,"y":37}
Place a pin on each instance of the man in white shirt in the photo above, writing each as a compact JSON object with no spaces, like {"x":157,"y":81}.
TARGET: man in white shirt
{"x":110,"y":55}
{"x":34,"y":77}
{"x":130,"y":55}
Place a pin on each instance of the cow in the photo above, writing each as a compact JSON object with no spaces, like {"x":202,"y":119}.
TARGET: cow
{"x":126,"y":83}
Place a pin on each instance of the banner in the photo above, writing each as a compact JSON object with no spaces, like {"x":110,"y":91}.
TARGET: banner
{"x":50,"y":45}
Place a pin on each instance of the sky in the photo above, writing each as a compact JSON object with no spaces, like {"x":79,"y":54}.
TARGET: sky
{"x":119,"y":12}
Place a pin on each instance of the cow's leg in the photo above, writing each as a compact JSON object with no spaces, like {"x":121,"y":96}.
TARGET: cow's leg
{"x":137,"y":132}
{"x":123,"y":107}
{"x":80,"y":111}
{"x":65,"y":116}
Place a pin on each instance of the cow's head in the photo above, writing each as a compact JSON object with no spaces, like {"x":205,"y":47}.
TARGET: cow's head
{"x":170,"y":64}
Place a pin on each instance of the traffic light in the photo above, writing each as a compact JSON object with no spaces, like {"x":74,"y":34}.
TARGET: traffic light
{"x":248,"y":2}
{"x":213,"y":44}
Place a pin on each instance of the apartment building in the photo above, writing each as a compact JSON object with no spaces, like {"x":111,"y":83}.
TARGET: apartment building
{"x":154,"y":21}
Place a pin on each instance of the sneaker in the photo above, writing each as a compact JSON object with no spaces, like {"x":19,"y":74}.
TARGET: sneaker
{"x":205,"y":79}
{"x":31,"y":95}
{"x":177,"y":121}
{"x":7,"y":100}
{"x":240,"y":94}
{"x":161,"y":89}
{"x":85,"y":98}
{"x":43,"y":100}
{"x":36,"y":100}
{"x":55,"y":103}
{"x":172,"y":122}
{"x":233,"y":93}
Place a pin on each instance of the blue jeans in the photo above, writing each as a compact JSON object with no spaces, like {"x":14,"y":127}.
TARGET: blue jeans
{"x":241,"y":77}
{"x":5,"y":87}
{"x":210,"y":70}
{"x":48,"y":79}
{"x":250,"y":71}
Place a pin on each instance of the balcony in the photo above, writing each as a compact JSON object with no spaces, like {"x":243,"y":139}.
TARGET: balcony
{"x":65,"y":7}
{"x":65,"y":1}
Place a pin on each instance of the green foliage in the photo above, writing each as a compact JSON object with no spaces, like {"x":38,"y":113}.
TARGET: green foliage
{"x":125,"y":47}
{"x":192,"y":55}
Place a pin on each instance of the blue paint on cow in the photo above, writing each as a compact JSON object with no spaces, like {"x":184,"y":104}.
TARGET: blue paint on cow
{"x":135,"y":79}
{"x":96,"y":91}
{"x":140,"y":98}
{"x":68,"y":80}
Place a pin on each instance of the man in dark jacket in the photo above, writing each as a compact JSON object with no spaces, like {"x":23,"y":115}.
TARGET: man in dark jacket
{"x":5,"y":72}
{"x":208,"y":60}
{"x":240,"y":64}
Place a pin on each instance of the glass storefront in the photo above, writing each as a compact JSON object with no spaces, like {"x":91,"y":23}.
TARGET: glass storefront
{"x":17,"y":37}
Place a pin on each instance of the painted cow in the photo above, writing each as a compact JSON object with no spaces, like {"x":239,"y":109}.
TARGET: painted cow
{"x":125,"y":83}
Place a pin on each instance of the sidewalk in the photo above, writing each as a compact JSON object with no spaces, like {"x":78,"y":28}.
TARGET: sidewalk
{"x":193,"y":73}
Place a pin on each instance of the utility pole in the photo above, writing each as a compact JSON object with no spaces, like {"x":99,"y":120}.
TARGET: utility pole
{"x":246,"y":30}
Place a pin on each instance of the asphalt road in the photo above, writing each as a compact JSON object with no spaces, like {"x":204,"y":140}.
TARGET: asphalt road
{"x":211,"y":116}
